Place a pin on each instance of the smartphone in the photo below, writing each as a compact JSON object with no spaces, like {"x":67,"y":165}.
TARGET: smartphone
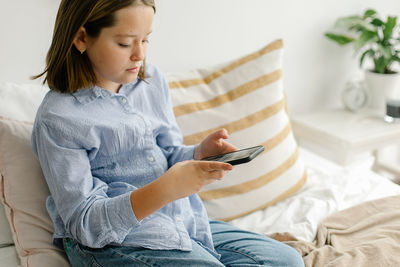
{"x":239,"y":156}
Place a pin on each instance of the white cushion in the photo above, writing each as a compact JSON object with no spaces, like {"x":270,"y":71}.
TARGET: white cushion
{"x":24,"y":193}
{"x":23,"y":188}
{"x":246,"y":97}
{"x":18,"y":101}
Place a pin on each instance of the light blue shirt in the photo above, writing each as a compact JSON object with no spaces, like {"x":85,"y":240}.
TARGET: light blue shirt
{"x":95,"y":147}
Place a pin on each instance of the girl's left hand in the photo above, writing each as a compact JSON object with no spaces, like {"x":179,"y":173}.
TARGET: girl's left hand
{"x":214,"y":144}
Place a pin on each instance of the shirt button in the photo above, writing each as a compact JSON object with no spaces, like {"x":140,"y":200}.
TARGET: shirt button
{"x":151,"y":159}
{"x":148,"y":129}
{"x":123,"y":100}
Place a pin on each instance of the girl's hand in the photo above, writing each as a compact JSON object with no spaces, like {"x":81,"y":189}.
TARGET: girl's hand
{"x":188,"y":177}
{"x":181,"y":180}
{"x":214,"y":144}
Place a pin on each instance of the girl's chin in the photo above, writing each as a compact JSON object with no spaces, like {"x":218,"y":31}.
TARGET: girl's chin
{"x":130,"y":78}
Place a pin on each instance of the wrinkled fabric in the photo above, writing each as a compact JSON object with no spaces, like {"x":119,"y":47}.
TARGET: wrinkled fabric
{"x":95,"y":147}
{"x":365,"y":235}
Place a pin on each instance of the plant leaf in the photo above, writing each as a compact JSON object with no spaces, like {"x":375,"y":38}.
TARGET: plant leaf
{"x":380,"y":65}
{"x":355,"y":23}
{"x":365,"y":38}
{"x":377,"y":22}
{"x":369,"y":52}
{"x":351,"y":22}
{"x":369,"y":13}
{"x":389,"y":26}
{"x":396,"y":58}
{"x":346,"y":22}
{"x":339,"y":38}
{"x":386,"y":51}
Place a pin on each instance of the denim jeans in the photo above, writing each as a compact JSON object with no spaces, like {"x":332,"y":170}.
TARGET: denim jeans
{"x":237,"y":248}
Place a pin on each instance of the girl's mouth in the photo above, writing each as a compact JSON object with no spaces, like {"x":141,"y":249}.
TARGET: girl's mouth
{"x":133,"y":70}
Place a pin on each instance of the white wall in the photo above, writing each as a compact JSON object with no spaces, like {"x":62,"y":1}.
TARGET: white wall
{"x":26,"y":27}
{"x":199,"y":33}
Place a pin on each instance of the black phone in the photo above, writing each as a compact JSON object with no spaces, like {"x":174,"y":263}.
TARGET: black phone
{"x":237,"y":157}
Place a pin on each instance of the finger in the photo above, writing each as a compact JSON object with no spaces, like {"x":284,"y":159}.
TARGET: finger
{"x":222,"y":133}
{"x":228,"y":147}
{"x":216,"y":175}
{"x":215,"y":166}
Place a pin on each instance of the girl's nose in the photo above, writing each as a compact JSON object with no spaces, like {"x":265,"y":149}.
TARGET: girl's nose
{"x":138,"y":53}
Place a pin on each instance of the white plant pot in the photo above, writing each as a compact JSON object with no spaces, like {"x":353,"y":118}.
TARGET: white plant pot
{"x":382,"y":87}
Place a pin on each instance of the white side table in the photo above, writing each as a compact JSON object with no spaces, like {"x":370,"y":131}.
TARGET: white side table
{"x":344,"y":136}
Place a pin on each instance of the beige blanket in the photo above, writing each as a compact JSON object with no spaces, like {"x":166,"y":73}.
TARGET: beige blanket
{"x":361,"y":236}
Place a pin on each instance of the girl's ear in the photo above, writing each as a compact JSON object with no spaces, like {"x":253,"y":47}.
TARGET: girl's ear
{"x":80,"y":40}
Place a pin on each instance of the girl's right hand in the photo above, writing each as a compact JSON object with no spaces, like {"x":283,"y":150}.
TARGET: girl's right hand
{"x":181,"y":180}
{"x":188,"y":177}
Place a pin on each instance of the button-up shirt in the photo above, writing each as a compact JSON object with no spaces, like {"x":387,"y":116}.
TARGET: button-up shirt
{"x":95,"y":147}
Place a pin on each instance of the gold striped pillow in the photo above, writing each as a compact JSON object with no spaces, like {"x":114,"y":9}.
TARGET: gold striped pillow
{"x":246,"y":97}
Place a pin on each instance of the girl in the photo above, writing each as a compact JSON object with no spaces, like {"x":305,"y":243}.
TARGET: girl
{"x":123,"y":187}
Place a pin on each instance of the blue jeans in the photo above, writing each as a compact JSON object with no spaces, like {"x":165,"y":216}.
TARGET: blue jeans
{"x":237,"y":248}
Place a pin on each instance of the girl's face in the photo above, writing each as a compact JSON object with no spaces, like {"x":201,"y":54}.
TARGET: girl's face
{"x":118,"y":52}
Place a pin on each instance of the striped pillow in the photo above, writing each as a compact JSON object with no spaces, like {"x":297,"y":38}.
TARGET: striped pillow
{"x":246,"y":97}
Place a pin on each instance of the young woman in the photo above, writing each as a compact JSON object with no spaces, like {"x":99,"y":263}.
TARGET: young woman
{"x":123,"y":186}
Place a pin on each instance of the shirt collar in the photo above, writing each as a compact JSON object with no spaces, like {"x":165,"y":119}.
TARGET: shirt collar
{"x":87,"y":95}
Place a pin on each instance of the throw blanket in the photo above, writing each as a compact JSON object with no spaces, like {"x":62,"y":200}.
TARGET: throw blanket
{"x":364,"y":235}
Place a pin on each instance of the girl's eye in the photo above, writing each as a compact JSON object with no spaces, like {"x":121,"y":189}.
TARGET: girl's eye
{"x":123,"y":45}
{"x":145,"y":41}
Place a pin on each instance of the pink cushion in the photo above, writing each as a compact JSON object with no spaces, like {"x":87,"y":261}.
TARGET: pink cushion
{"x":24,"y":193}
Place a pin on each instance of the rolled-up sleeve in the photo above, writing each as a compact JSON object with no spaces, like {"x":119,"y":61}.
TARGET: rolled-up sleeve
{"x":89,"y":215}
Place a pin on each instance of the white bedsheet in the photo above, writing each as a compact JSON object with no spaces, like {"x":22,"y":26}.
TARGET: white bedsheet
{"x":329,"y":188}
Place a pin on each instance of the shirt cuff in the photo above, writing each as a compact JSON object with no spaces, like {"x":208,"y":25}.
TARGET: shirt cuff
{"x":188,"y":152}
{"x":121,"y":216}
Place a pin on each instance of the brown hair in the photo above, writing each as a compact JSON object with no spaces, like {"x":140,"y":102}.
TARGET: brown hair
{"x":67,"y":70}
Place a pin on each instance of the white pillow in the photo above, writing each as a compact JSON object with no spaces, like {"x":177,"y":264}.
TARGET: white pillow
{"x":23,"y":188}
{"x":24,"y":192}
{"x":246,"y":97}
{"x":18,"y":101}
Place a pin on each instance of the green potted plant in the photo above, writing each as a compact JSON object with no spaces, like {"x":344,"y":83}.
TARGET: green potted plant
{"x":374,"y":39}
